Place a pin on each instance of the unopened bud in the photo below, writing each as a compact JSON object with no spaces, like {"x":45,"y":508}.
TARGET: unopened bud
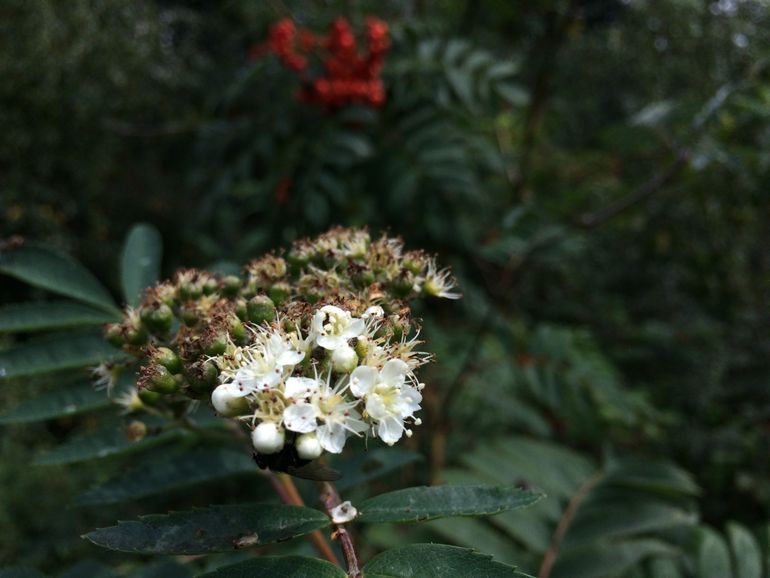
{"x":308,"y":446}
{"x":227,"y":403}
{"x":167,"y":358}
{"x":344,"y":359}
{"x":161,"y":381}
{"x":158,"y":318}
{"x":231,"y":285}
{"x":268,"y":438}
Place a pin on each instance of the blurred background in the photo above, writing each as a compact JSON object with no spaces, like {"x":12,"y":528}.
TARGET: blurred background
{"x":595,"y":172}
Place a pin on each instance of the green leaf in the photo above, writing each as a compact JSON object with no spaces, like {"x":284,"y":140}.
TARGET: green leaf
{"x":170,"y":473}
{"x":436,"y":561}
{"x":88,"y":569}
{"x":102,"y":444}
{"x":372,"y":465}
{"x":55,"y":353}
{"x":63,"y":401}
{"x":602,"y":560}
{"x":140,"y":264}
{"x":38,"y":316}
{"x":279,"y":567}
{"x":429,"y":503}
{"x":57,"y":273}
{"x":163,"y":569}
{"x":713,"y":556}
{"x":213,"y":529}
{"x":746,"y":552}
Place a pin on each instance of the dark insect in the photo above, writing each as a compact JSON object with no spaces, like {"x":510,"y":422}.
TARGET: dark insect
{"x":289,"y":462}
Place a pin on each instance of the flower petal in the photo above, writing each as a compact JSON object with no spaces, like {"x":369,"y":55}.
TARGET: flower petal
{"x":290,"y":357}
{"x":331,"y":342}
{"x":300,"y":387}
{"x":355,"y":328}
{"x":300,"y":418}
{"x":331,"y":436}
{"x":362,"y":380}
{"x":394,"y":372}
{"x":390,"y":430}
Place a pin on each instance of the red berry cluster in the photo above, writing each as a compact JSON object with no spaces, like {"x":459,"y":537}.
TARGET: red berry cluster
{"x":350,"y":76}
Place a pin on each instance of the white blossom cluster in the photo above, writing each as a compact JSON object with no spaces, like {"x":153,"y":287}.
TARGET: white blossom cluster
{"x":315,"y":388}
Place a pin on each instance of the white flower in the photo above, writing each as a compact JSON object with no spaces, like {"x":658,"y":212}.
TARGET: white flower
{"x":268,"y":438}
{"x":327,"y":413}
{"x":333,"y":327}
{"x":343,"y":513}
{"x":389,"y":398}
{"x":264,"y":364}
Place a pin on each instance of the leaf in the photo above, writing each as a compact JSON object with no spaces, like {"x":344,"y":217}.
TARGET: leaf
{"x":746,"y":552}
{"x":212,"y":529}
{"x":436,"y":561}
{"x":63,"y":401}
{"x":372,"y":465}
{"x":713,"y":557}
{"x":55,"y":353}
{"x":603,"y":560}
{"x":279,"y":567}
{"x":140,"y":263}
{"x":163,"y":569}
{"x":57,"y":273}
{"x":102,"y":444}
{"x":37,"y":316}
{"x":429,"y":503}
{"x":88,"y":569}
{"x":170,"y":473}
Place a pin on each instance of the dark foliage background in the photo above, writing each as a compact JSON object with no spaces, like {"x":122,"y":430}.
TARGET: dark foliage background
{"x":595,"y":171}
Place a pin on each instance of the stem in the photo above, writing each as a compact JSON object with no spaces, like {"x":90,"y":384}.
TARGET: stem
{"x":564,"y":523}
{"x":331,"y":499}
{"x":285,"y":488}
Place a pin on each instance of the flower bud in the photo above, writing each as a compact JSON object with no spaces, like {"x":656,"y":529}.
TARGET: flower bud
{"x":344,"y":359}
{"x":362,"y":347}
{"x":226,"y":403}
{"x":268,"y":438}
{"x":279,"y":292}
{"x":149,"y":397}
{"x":308,"y":446}
{"x":260,"y":309}
{"x":167,"y":358}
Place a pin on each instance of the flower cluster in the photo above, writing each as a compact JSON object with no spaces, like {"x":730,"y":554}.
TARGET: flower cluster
{"x":305,"y":349}
{"x":350,"y":75}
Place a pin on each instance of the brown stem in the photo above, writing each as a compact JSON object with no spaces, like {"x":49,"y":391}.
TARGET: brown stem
{"x":564,"y":523}
{"x":331,"y":499}
{"x":286,"y":489}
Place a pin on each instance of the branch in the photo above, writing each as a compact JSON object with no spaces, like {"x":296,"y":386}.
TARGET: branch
{"x":564,"y":523}
{"x":647,"y":189}
{"x":331,"y":499}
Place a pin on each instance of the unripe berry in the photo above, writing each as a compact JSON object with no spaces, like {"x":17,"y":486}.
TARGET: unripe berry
{"x":231,"y":285}
{"x":157,"y":319}
{"x":113,"y":333}
{"x":308,"y":446}
{"x":260,"y":309}
{"x":268,"y":438}
{"x":161,"y":381}
{"x":168,"y":359}
{"x":149,"y":397}
{"x":279,"y":292}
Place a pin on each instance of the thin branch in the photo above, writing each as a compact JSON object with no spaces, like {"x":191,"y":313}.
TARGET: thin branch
{"x":284,"y":486}
{"x":564,"y":523}
{"x":331,"y":499}
{"x":647,"y":189}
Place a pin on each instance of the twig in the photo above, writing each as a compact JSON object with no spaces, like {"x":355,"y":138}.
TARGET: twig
{"x":564,"y":523}
{"x":285,"y":488}
{"x":331,"y":499}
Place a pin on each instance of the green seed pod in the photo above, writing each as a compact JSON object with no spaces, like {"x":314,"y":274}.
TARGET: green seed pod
{"x":168,"y":359}
{"x":210,"y":286}
{"x":215,"y":344}
{"x":188,"y":316}
{"x":113,"y":333}
{"x":403,"y":284}
{"x":136,"y":335}
{"x":279,"y":292}
{"x":260,"y":309}
{"x":241,"y":309}
{"x":231,"y":285}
